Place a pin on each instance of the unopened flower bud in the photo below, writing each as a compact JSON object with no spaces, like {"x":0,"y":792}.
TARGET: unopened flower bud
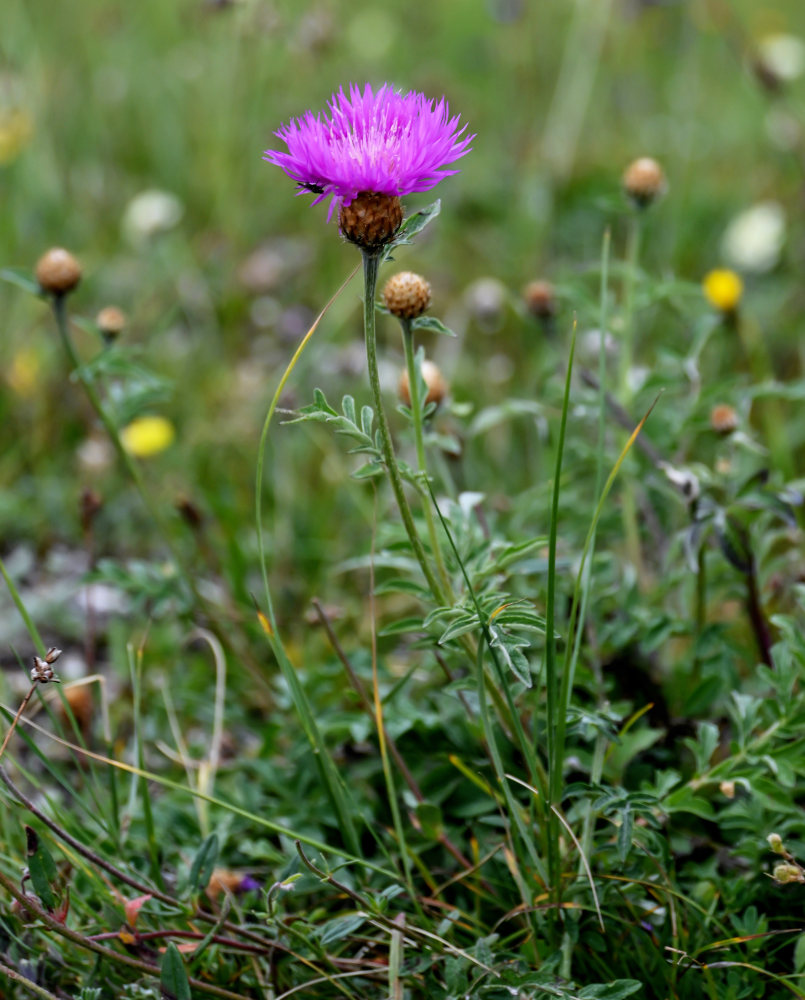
{"x":788,"y":873}
{"x":406,"y":295}
{"x":370,"y":220}
{"x":644,"y":181}
{"x":58,"y":272}
{"x":540,"y":299}
{"x":775,"y":842}
{"x":111,"y":321}
{"x":723,"y":418}
{"x":434,"y":380}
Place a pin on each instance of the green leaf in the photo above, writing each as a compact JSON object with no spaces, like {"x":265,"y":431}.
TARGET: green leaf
{"x":204,"y":863}
{"x":511,"y":650}
{"x":625,"y":834}
{"x":368,"y":471}
{"x":402,"y":626}
{"x":466,"y":623}
{"x":413,"y":225}
{"x":611,"y":991}
{"x":733,"y":538}
{"x":704,"y":748}
{"x":173,"y":978}
{"x":686,"y":800}
{"x":21,"y":278}
{"x":430,"y":819}
{"x":432,"y":324}
{"x":41,"y":868}
{"x":340,"y":927}
{"x":400,"y":585}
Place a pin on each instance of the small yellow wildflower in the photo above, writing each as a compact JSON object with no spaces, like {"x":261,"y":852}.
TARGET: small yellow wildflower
{"x":16,"y":129}
{"x":723,"y":289}
{"x":23,"y":372}
{"x":146,"y":436}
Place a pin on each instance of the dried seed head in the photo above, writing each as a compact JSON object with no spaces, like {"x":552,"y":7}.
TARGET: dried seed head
{"x":723,"y":418}
{"x":58,"y":272}
{"x":434,"y":380}
{"x":42,"y":671}
{"x":406,"y":295}
{"x":723,"y":289}
{"x":540,"y":299}
{"x":111,"y":322}
{"x":371,"y":220}
{"x":644,"y":181}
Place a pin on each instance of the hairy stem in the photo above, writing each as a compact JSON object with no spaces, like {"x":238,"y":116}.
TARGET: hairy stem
{"x":419,"y":438}
{"x":371,"y":262}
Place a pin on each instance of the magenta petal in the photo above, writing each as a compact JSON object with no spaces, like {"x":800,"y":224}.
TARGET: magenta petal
{"x":385,"y":142}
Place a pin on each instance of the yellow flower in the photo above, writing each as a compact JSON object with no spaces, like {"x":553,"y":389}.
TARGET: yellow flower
{"x":23,"y":372}
{"x":723,"y":289}
{"x":16,"y":128}
{"x":146,"y":436}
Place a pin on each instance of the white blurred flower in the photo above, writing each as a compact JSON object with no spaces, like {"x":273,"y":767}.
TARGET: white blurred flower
{"x":589,"y":346}
{"x":486,"y":302}
{"x":149,"y":213}
{"x":754,"y":240}
{"x":784,"y":55}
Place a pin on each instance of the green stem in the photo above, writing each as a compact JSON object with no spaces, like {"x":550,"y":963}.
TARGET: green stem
{"x":555,"y":725}
{"x":419,"y":438}
{"x":628,"y":505}
{"x":598,"y":752}
{"x":28,"y":984}
{"x":371,"y":263}
{"x":630,"y":282}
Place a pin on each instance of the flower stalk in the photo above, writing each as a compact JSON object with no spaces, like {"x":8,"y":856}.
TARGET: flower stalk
{"x":419,"y":439}
{"x":371,"y":264}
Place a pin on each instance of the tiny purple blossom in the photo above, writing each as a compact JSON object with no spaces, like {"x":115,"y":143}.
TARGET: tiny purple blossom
{"x":386,"y":142}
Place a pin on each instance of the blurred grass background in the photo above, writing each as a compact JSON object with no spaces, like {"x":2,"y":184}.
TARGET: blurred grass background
{"x":104,"y":101}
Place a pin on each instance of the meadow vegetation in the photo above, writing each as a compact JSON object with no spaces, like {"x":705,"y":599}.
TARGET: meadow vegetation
{"x":509,"y":704}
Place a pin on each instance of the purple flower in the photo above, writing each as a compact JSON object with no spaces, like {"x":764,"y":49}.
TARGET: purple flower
{"x":385,"y":142}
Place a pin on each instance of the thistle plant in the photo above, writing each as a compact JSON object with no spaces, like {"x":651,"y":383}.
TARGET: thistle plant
{"x":371,"y":149}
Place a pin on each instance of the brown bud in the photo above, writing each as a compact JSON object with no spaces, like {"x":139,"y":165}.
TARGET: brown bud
{"x":58,"y":272}
{"x":189,"y":512}
{"x":89,"y":506}
{"x":644,"y":181}
{"x":111,"y":322}
{"x":434,"y":380}
{"x":371,"y":220}
{"x":406,"y":295}
{"x":723,"y":419}
{"x":79,"y":699}
{"x":540,"y":299}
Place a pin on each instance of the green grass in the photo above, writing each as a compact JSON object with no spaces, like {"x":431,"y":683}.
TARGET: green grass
{"x":364,"y":716}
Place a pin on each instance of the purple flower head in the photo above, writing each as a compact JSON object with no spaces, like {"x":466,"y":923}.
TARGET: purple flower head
{"x":385,"y":142}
